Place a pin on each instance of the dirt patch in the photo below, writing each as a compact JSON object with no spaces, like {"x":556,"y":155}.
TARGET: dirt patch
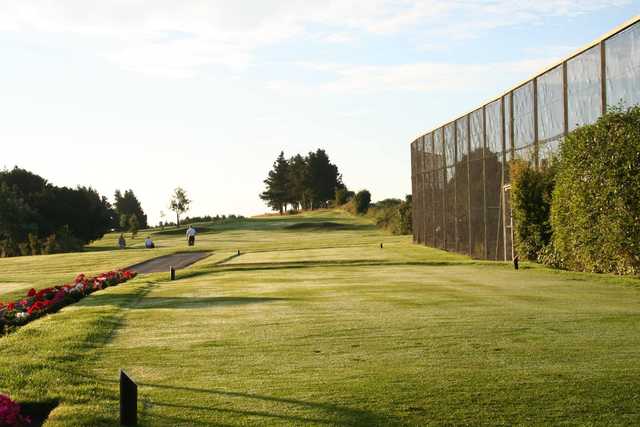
{"x":163,"y":263}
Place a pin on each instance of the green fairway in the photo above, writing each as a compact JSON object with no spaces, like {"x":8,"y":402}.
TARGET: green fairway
{"x":315,"y":324}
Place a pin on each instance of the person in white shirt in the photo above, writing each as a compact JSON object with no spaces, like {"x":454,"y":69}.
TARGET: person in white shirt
{"x":191,"y":235}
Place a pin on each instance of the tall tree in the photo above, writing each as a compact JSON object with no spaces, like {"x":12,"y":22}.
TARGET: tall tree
{"x":297,"y":178}
{"x":134,"y":226}
{"x":277,"y":194}
{"x":323,"y":179}
{"x":128,"y":204}
{"x":179,"y":203}
{"x":15,"y":215}
{"x":34,"y":210}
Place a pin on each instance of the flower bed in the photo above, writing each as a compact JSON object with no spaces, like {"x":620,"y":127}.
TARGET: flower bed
{"x":49,"y":300}
{"x":10,"y":413}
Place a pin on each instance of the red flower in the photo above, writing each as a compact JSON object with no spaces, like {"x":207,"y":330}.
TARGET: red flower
{"x":31,"y":293}
{"x":11,"y":306}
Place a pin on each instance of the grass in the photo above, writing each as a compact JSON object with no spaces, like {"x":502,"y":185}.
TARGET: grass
{"x":319,"y":326}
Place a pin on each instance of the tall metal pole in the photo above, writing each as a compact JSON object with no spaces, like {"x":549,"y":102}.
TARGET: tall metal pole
{"x":444,"y":189}
{"x":603,"y":76}
{"x":455,"y":184}
{"x":565,"y":98}
{"x":468,"y":142}
{"x":484,"y":182}
{"x":536,"y":143}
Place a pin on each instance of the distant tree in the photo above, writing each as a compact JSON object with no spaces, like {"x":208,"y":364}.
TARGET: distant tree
{"x":405,"y":213}
{"x":276,"y":194}
{"x":179,"y":203}
{"x":44,"y":212}
{"x":323,"y":178}
{"x":134,"y":226}
{"x":124,"y":222}
{"x":82,"y":211}
{"x":128,"y":204}
{"x":15,"y":215}
{"x":362,"y":201}
{"x":297,"y":178}
{"x":163,"y":220}
{"x":342,"y":196}
{"x":303,"y":182}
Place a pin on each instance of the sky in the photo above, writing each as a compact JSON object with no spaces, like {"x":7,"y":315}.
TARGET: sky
{"x":153,"y":94}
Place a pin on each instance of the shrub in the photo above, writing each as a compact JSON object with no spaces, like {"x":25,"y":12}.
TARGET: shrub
{"x":405,"y":216}
{"x":362,"y":200}
{"x":596,"y":202}
{"x":343,"y":196}
{"x":134,"y":226}
{"x":531,"y":195}
{"x":393,"y":215}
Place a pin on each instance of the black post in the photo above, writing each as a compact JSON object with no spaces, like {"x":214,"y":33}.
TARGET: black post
{"x":238,"y":252}
{"x":172,"y":273}
{"x":516,"y":261}
{"x":128,"y":401}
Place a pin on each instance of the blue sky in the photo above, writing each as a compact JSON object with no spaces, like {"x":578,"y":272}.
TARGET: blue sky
{"x":151,"y":95}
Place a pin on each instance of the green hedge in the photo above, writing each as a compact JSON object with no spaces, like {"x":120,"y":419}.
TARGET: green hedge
{"x":595,"y":213}
{"x":531,"y":195}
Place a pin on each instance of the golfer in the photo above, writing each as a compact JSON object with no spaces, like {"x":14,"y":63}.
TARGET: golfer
{"x":191,"y":235}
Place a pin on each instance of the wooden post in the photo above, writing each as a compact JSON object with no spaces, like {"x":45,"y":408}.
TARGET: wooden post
{"x":128,"y":400}
{"x":172,"y":273}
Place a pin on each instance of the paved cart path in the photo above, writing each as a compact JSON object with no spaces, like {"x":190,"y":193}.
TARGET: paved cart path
{"x":163,"y":263}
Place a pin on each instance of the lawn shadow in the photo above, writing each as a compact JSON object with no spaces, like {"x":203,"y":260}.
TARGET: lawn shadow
{"x":38,"y":411}
{"x":178,"y":303}
{"x":324,"y":413}
{"x":290,"y":411}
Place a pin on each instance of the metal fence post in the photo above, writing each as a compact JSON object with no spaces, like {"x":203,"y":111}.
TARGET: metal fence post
{"x":484,"y":183}
{"x":603,"y":76}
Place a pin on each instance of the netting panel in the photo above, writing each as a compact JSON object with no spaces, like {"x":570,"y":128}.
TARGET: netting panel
{"x":461,"y":172}
{"x":450,"y":144}
{"x":493,"y":114}
{"x":476,"y":190}
{"x":550,"y":105}
{"x":428,"y":147}
{"x":438,"y":208}
{"x":508,"y":143}
{"x":428,"y":212}
{"x":584,"y":88}
{"x":523,"y":121}
{"x":622,"y":53}
{"x":462,"y":140}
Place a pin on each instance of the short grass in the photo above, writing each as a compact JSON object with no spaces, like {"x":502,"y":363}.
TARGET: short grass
{"x":320,"y":326}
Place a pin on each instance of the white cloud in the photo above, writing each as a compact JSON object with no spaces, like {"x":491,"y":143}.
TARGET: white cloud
{"x":417,"y":77}
{"x":174,"y":38}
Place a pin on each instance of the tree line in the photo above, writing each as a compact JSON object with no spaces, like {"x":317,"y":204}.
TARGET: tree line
{"x":37,"y":217}
{"x":308,"y":182}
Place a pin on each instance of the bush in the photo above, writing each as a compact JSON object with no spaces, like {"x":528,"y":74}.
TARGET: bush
{"x":596,"y":203}
{"x":362,"y":200}
{"x":343,"y":196}
{"x":393,"y":215}
{"x":531,"y":195}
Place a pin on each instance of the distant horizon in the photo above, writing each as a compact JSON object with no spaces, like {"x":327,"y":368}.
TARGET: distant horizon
{"x":152,"y":96}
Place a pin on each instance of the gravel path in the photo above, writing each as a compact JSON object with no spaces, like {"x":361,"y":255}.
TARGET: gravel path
{"x":163,"y":263}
